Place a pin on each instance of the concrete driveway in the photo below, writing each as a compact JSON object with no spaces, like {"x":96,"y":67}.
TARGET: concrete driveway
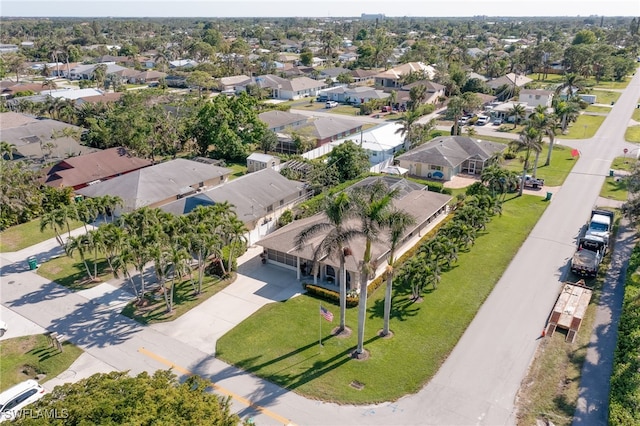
{"x":255,"y":286}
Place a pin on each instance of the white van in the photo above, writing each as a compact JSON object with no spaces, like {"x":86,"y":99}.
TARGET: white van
{"x":331,"y":104}
{"x":17,"y":397}
{"x":482,"y":120}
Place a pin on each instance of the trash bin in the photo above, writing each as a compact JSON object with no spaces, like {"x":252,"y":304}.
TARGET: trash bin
{"x":610,"y":173}
{"x":548,"y":197}
{"x":33,"y":263}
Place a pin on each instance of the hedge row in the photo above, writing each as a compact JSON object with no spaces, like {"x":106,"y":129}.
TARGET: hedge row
{"x":624,"y":397}
{"x":329,"y":295}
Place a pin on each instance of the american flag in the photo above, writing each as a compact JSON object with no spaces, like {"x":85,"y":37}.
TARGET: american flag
{"x":326,"y":314}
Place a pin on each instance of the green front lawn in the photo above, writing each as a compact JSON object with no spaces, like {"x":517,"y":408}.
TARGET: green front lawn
{"x":605,"y":96}
{"x":71,"y":272}
{"x":25,"y":357}
{"x":184,"y":300}
{"x":555,"y":173}
{"x":626,"y":163}
{"x":632,"y":134}
{"x":615,"y":189}
{"x":345,"y":110}
{"x":598,"y":108}
{"x":27,"y":234}
{"x":584,"y":128}
{"x":280,"y":341}
{"x":636,"y":113}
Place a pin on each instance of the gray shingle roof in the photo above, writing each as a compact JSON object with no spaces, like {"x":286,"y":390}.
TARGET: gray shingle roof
{"x":249,"y":194}
{"x":156,"y":183}
{"x":451,"y":151}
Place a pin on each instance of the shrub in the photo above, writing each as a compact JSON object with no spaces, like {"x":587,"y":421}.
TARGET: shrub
{"x":624,"y":405}
{"x":330,"y":295}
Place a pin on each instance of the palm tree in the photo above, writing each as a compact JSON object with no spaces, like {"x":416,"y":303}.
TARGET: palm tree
{"x":99,"y":74}
{"x":337,"y":210}
{"x":547,"y":124}
{"x":372,"y":206}
{"x":573,"y":83}
{"x":51,"y":84}
{"x":567,"y":111}
{"x":7,"y":149}
{"x":529,"y":140}
{"x":55,"y":220}
{"x":408,"y":121}
{"x":79,"y":244}
{"x":397,"y":222}
{"x":517,"y":112}
{"x":235,"y":231}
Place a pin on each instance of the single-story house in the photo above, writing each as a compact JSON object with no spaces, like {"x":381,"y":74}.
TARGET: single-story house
{"x":393,"y":76}
{"x":282,"y":88}
{"x":536,"y":97}
{"x":362,"y":76}
{"x":277,"y":120}
{"x":146,"y":77}
{"x":183,"y":63}
{"x":281,"y":249}
{"x":503,"y":110}
{"x":332,"y":73}
{"x":85,"y":72}
{"x":231,"y":84}
{"x":258,"y":161}
{"x":89,"y":169}
{"x":446,"y":156}
{"x":509,"y":79}
{"x":159,"y":184}
{"x":258,"y":198}
{"x":352,"y":95}
{"x":328,"y":129}
{"x":39,"y":140}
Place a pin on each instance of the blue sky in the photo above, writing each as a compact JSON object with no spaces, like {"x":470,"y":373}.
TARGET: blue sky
{"x":316,"y":8}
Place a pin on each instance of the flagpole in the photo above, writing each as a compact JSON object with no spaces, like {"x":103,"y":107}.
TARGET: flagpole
{"x":320,"y":317}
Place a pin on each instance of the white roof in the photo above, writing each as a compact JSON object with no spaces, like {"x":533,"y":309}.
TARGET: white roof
{"x":75,"y":93}
{"x":380,"y":138}
{"x":263,"y":158}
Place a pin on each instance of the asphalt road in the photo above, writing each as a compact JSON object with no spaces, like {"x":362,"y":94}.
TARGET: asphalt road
{"x":477,"y":384}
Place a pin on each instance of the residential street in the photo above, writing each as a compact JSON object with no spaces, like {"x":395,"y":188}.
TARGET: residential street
{"x":477,"y":384}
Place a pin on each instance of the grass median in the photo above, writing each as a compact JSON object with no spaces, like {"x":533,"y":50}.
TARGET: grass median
{"x":280,"y":342}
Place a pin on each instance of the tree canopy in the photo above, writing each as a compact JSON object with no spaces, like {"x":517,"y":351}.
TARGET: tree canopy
{"x":117,"y":398}
{"x":349,"y":159}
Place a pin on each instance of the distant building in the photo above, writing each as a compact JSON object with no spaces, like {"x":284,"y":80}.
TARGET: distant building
{"x":372,"y":16}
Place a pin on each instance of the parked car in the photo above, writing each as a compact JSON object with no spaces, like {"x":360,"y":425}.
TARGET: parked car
{"x":17,"y":397}
{"x":331,"y":104}
{"x":482,"y":120}
{"x":464,"y":120}
{"x":497,"y":121}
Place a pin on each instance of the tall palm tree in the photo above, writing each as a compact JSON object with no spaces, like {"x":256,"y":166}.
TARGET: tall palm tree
{"x":529,"y":141}
{"x":517,"y":112}
{"x":372,"y":206}
{"x":573,"y":83}
{"x":546,"y":123}
{"x":397,"y":222}
{"x":567,"y":111}
{"x":54,"y":220}
{"x":235,"y":231}
{"x":409,"y":121}
{"x":337,"y":210}
{"x":81,"y":245}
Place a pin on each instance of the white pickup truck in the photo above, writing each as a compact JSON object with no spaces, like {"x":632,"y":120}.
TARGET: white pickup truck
{"x":531,"y":182}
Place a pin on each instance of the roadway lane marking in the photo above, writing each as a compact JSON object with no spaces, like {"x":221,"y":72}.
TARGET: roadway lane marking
{"x":218,"y":388}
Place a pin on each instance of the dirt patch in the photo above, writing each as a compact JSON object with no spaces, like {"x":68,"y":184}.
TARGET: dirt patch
{"x":385,"y":336}
{"x":360,"y":356}
{"x":341,"y":334}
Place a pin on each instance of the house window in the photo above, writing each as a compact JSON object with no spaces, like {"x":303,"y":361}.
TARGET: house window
{"x":282,"y":202}
{"x":436,"y":167}
{"x":269,"y":208}
{"x":537,"y":96}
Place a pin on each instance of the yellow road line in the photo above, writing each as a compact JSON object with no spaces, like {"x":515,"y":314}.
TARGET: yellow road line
{"x":218,"y":388}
